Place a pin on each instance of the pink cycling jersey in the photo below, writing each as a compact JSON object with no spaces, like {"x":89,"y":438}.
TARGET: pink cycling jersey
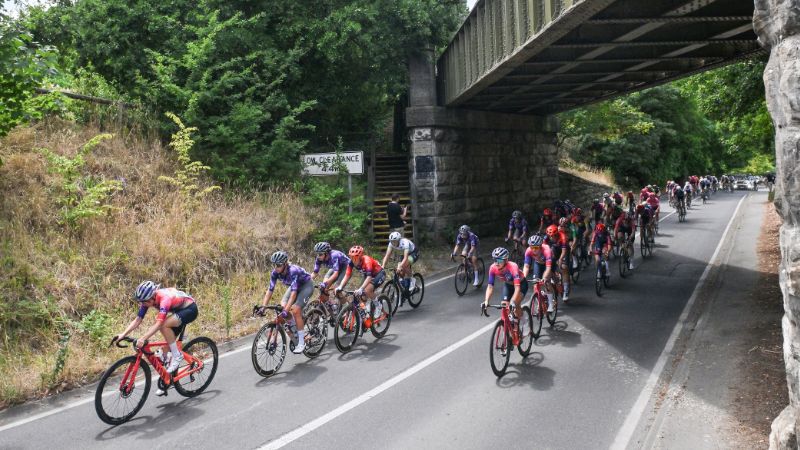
{"x":167,"y":300}
{"x":653,"y":202}
{"x":543,"y":256}
{"x":510,"y":273}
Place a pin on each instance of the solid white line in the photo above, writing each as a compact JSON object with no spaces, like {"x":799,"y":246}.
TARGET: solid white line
{"x":625,"y":433}
{"x":322,"y":420}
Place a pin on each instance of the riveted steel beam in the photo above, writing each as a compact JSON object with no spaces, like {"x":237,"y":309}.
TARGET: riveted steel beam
{"x":693,"y":19}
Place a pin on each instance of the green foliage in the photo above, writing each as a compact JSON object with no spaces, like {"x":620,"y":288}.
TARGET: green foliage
{"x":61,"y":357}
{"x":82,"y":196}
{"x":758,"y":164}
{"x":187,"y":176}
{"x":23,"y":66}
{"x":96,"y":325}
{"x":336,"y":225}
{"x":261,"y":80}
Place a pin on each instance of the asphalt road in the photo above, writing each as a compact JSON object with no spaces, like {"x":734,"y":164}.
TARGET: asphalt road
{"x":428,"y":383}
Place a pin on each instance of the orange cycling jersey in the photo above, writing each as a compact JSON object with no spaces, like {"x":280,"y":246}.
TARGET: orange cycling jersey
{"x":369,"y":267}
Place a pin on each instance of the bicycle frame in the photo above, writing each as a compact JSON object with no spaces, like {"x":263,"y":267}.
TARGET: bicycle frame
{"x":505,"y":317}
{"x":127,"y":382}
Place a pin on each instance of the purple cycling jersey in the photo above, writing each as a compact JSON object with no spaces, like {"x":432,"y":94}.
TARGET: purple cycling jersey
{"x":472,"y":239}
{"x":522,"y":225}
{"x":293,"y":277}
{"x":337,"y":261}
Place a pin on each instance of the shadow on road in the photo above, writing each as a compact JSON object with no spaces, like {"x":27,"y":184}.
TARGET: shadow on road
{"x":528,"y":372}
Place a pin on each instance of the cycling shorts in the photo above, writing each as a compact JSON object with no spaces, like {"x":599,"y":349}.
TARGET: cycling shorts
{"x":624,"y":230}
{"x":378,"y":279}
{"x":186,"y":315}
{"x":304,"y":292}
{"x":538,"y":269}
{"x":469,"y":251}
{"x":508,"y":289}
{"x":413,"y":256}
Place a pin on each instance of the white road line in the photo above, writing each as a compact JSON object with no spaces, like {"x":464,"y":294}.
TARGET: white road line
{"x":322,"y":420}
{"x":84,"y":401}
{"x":625,"y":433}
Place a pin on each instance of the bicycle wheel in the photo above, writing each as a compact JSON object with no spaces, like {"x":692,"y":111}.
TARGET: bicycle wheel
{"x":607,"y":277}
{"x":461,"y":280}
{"x":537,"y":314}
{"x":415,"y":299}
{"x":643,"y":239}
{"x":122,"y":393}
{"x":575,"y":272}
{"x":551,"y":316}
{"x":380,"y":319}
{"x":499,"y":351}
{"x":598,"y":283}
{"x":392,"y":291}
{"x":316,"y":328}
{"x":623,"y":264}
{"x":348,"y":327}
{"x":481,"y":272}
{"x":525,"y":332}
{"x":201,"y":349}
{"x":269,"y":350}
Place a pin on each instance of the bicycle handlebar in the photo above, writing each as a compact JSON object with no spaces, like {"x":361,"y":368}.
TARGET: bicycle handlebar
{"x":119,"y":343}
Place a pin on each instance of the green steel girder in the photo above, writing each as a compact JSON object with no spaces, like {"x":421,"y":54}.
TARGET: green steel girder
{"x":542,"y":56}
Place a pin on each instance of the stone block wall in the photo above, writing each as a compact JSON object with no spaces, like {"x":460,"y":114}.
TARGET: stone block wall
{"x":475,"y":168}
{"x":580,"y":191}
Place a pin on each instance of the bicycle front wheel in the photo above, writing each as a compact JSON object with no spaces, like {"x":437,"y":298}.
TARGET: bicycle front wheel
{"x":316,"y":328}
{"x":537,"y":314}
{"x":269,"y":350}
{"x":598,"y":283}
{"x":348,"y":327}
{"x":525,"y":332}
{"x":623,"y":264}
{"x":381,"y":318}
{"x":203,"y":353}
{"x":461,"y":280}
{"x":499,"y":351}
{"x":392,"y":291}
{"x":415,"y":299}
{"x":551,"y":316}
{"x":122,"y":392}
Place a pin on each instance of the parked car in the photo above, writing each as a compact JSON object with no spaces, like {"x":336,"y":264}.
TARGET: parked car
{"x":745,"y":183}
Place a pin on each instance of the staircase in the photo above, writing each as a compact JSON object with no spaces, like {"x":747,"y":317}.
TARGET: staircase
{"x":391,"y":177}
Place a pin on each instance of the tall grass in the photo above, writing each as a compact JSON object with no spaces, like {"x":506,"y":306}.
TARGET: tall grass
{"x":50,"y":279}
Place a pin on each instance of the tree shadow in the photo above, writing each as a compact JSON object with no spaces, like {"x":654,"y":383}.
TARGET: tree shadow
{"x":528,"y":372}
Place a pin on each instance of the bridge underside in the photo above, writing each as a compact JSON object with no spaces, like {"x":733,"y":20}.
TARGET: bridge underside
{"x":593,"y":51}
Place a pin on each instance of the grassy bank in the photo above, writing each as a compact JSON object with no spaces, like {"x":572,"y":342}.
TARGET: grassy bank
{"x":66,"y":290}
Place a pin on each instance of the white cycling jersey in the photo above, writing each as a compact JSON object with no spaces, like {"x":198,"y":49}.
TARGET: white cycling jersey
{"x":404,"y":244}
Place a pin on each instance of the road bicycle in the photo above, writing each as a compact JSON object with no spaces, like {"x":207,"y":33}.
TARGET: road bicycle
{"x":465,"y":274}
{"x":603,"y":276}
{"x":399,"y":294}
{"x":625,"y":261}
{"x":704,"y":196}
{"x":681,"y":212}
{"x":124,"y":386}
{"x":329,"y":304}
{"x":646,"y":241}
{"x":538,"y":304}
{"x":517,"y":252}
{"x":270,"y":343}
{"x":507,"y":334}
{"x":352,"y":319}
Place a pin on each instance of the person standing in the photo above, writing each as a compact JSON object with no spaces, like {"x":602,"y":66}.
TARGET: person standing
{"x":396,"y":214}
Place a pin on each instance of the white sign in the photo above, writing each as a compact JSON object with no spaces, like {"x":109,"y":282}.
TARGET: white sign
{"x":325,"y":163}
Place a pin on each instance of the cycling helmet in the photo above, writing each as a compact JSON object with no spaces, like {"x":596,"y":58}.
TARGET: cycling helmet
{"x":500,"y":253}
{"x":547,"y":212}
{"x":600,"y":227}
{"x":606,"y":195}
{"x":356,"y":251}
{"x":575,"y":219}
{"x":578,"y":211}
{"x":562,"y":222}
{"x":146,"y":290}
{"x":516,"y":214}
{"x":595,"y":200}
{"x":464,"y":229}
{"x":551,"y":230}
{"x":535,"y":240}
{"x":395,"y":236}
{"x":322,"y":247}
{"x":279,"y":257}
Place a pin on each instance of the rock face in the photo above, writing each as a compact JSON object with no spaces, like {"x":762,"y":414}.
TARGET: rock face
{"x":777,"y":23}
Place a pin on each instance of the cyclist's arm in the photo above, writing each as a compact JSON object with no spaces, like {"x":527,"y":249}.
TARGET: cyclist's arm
{"x":332,"y":278}
{"x":133,"y":325}
{"x":455,"y":250}
{"x":267,"y":297}
{"x":489,"y":292}
{"x":367,"y":280}
{"x":405,"y":258}
{"x":526,"y":269}
{"x":508,"y":236}
{"x":386,"y":256}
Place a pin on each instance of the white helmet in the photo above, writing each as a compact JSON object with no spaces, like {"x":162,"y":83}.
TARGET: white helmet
{"x":395,"y":236}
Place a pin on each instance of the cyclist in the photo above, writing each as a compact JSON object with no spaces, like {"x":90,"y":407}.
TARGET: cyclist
{"x":294,"y":299}
{"x":515,"y":286}
{"x":597,"y":211}
{"x":617,"y":198}
{"x":625,"y":231}
{"x":655,"y":205}
{"x":176,"y":309}
{"x":539,"y":257}
{"x":601,"y":243}
{"x":687,"y":188}
{"x":334,"y":260}
{"x":374,"y":275}
{"x":410,"y":256}
{"x":645,"y":217}
{"x":607,"y":200}
{"x":679,"y":196}
{"x":469,"y":240}
{"x":559,"y":244}
{"x":546,"y":220}
{"x":644,"y":193}
{"x":517,"y":229}
{"x":630,"y":202}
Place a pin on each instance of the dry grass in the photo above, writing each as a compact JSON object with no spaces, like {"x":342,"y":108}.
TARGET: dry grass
{"x":577,"y":169}
{"x":218,"y":247}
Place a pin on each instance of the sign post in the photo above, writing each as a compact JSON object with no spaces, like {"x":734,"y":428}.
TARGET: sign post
{"x":322,"y":164}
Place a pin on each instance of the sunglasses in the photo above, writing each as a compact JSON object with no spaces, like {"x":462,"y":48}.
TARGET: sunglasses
{"x":536,"y":247}
{"x":500,"y":261}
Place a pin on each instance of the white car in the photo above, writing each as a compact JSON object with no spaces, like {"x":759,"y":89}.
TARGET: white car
{"x":744,"y":183}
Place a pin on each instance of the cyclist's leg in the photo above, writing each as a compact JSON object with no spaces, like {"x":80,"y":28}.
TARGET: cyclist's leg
{"x":473,"y":256}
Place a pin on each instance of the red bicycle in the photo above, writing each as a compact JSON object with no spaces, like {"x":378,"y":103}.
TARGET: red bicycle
{"x":539,"y":305}
{"x":124,"y":386}
{"x":507,"y":334}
